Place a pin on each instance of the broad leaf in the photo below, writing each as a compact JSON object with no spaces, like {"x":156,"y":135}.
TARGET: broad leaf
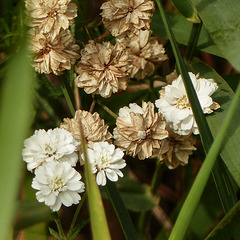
{"x":182,"y":29}
{"x":31,"y":212}
{"x":231,"y":151}
{"x":187,"y":9}
{"x":221,"y":19}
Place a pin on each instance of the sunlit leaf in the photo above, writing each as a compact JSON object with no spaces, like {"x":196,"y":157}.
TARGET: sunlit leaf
{"x":222,"y":22}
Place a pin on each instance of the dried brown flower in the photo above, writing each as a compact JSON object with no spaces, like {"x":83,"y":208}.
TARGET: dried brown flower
{"x":176,"y":149}
{"x":50,"y":16}
{"x":123,"y":17}
{"x":146,"y":53}
{"x":140,"y":130}
{"x":103,"y":68}
{"x":94,"y":128}
{"x":54,"y":55}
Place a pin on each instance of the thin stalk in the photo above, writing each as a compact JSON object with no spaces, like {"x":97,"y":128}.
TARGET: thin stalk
{"x":193,"y":40}
{"x":108,"y":110}
{"x":68,"y":94}
{"x":144,"y":219}
{"x":122,"y":214}
{"x":190,"y":204}
{"x":77,"y":213}
{"x":59,"y":225}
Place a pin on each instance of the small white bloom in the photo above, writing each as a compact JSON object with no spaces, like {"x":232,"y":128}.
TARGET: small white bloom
{"x":58,"y":183}
{"x":54,"y":145}
{"x":106,"y":162}
{"x":175,"y":106}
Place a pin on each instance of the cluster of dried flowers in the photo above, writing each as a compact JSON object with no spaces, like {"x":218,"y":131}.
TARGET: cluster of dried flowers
{"x":52,"y":44}
{"x":105,"y":69}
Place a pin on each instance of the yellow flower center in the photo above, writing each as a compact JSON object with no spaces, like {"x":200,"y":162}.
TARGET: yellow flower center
{"x":183,"y":102}
{"x":57,"y":184}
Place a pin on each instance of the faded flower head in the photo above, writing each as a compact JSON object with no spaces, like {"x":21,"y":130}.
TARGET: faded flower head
{"x":103,"y":68}
{"x":50,"y":16}
{"x":176,"y":149}
{"x":106,"y":162}
{"x":140,"y":130}
{"x":54,"y":55}
{"x":94,"y":128}
{"x":146,"y":52}
{"x":175,"y":106}
{"x":54,"y":145}
{"x":124,"y":17}
{"x":57,"y":183}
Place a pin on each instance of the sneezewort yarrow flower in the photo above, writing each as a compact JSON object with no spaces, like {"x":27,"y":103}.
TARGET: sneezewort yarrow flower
{"x":139,"y":130}
{"x":106,"y":160}
{"x":57,"y":183}
{"x":175,"y":106}
{"x":146,"y":52}
{"x":176,"y":149}
{"x":103,"y":68}
{"x":50,"y":16}
{"x":127,"y":17}
{"x":94,"y":128}
{"x":53,"y":55}
{"x":47,"y":146}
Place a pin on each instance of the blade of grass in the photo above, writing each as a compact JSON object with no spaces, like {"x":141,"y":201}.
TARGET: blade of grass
{"x":119,"y":207}
{"x":189,"y":206}
{"x":98,"y":221}
{"x":223,"y":185}
{"x":15,"y":121}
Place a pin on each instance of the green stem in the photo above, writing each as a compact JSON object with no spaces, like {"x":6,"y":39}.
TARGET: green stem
{"x":59,"y":225}
{"x":190,"y":204}
{"x":77,"y":213}
{"x":144,"y":219}
{"x":108,"y":110}
{"x":122,"y":214}
{"x":193,"y":40}
{"x":68,"y":94}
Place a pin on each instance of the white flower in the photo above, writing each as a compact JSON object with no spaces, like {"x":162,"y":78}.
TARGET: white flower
{"x":175,"y":106}
{"x":54,"y":145}
{"x":58,"y":183}
{"x":106,"y":162}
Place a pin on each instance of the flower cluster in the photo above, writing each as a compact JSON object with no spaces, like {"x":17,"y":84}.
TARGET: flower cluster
{"x":127,"y":17}
{"x":53,"y":46}
{"x":94,"y":128}
{"x":106,"y":162}
{"x":140,"y":130}
{"x":146,"y":52}
{"x":175,"y":106}
{"x":103,"y":69}
{"x":51,"y":155}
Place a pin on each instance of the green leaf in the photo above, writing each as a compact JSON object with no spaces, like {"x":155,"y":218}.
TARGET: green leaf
{"x":78,"y":228}
{"x":221,"y":20}
{"x":136,"y":196}
{"x":187,"y":9}
{"x":228,"y":227}
{"x":182,"y":29}
{"x":54,"y":234}
{"x":15,"y":120}
{"x":230,"y":152}
{"x":119,"y":207}
{"x":31,"y":212}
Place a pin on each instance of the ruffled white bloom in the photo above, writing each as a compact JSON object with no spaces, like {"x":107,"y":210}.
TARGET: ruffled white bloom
{"x":54,"y":145}
{"x":175,"y":106}
{"x":106,"y":162}
{"x":58,"y":183}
